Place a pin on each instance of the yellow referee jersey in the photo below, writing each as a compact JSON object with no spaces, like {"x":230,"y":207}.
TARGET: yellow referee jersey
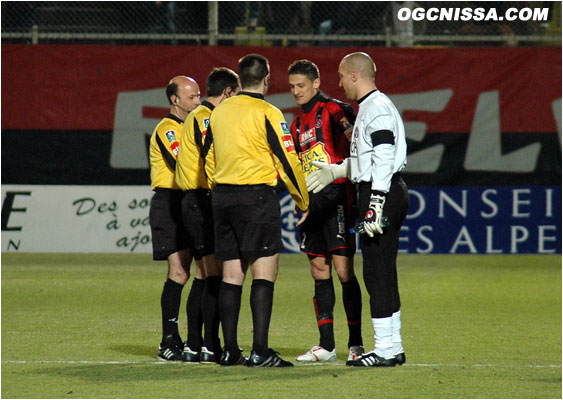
{"x":190,"y":171}
{"x":251,"y":145}
{"x":164,"y":144}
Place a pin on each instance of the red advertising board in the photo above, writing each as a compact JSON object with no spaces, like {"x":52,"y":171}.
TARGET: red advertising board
{"x":473,"y":116}
{"x":75,"y":87}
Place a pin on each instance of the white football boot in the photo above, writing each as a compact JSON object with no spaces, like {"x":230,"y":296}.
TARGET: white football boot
{"x":317,"y":354}
{"x":355,"y":352}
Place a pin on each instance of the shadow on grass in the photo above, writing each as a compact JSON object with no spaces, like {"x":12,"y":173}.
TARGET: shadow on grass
{"x":194,"y":373}
{"x":136,"y":350}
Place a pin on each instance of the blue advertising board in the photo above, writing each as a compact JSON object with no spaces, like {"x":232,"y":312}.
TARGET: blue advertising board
{"x":469,"y":220}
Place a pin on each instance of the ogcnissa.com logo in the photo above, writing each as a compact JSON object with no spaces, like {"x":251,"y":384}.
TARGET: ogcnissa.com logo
{"x":472,"y":14}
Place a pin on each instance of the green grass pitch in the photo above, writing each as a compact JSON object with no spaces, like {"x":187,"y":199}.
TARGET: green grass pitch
{"x":88,"y":326}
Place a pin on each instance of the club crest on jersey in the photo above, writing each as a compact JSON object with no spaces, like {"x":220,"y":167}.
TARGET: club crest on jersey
{"x":284,"y":128}
{"x":206,"y":123}
{"x":288,"y":142}
{"x":319,"y":122}
{"x":171,"y":136}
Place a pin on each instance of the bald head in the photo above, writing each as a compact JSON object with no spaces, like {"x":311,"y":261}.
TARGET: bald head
{"x":183,"y":95}
{"x":180,"y":82}
{"x":361,"y":63}
{"x":357,"y":75}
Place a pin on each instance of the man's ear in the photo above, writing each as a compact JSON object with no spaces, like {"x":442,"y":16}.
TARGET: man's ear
{"x":317,"y":83}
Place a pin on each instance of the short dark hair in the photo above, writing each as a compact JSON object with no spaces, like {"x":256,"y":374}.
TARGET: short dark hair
{"x":252,"y":68}
{"x":171,"y":89}
{"x":219,"y":79}
{"x":305,"y":67}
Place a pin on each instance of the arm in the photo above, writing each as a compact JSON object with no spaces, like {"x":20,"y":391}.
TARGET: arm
{"x":208,"y":155}
{"x":169,"y":146}
{"x":326,"y":174}
{"x":286,"y":159}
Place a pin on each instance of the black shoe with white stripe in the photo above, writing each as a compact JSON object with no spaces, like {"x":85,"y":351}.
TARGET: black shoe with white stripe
{"x":401,"y":358}
{"x":271,"y":360}
{"x":170,"y":349}
{"x":230,"y":358}
{"x":372,"y":360}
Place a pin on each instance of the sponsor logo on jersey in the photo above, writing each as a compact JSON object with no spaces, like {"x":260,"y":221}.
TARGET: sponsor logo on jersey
{"x":284,"y":128}
{"x":315,"y":153}
{"x":171,"y":136}
{"x":288,"y":142}
{"x":308,"y":136}
{"x":174,"y":147}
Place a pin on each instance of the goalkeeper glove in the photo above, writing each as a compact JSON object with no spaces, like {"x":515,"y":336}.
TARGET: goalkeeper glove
{"x":326,"y":174}
{"x":373,"y":219}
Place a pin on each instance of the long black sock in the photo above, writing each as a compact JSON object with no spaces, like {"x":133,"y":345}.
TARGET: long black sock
{"x":352,"y":298}
{"x":210,"y":303}
{"x":324,"y":308}
{"x":193,"y":311}
{"x":229,"y":310}
{"x":170,"y":306}
{"x":261,"y":302}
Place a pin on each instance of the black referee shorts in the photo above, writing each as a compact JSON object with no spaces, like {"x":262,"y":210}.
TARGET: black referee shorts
{"x":197,"y":213}
{"x":331,"y":215}
{"x":247,"y":222}
{"x":165,"y":217}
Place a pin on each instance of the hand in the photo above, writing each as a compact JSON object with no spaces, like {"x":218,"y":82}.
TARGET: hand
{"x":373,"y":218}
{"x":304,"y":216}
{"x":326,"y":174}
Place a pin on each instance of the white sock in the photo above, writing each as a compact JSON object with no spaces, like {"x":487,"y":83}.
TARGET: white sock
{"x":397,"y":340}
{"x":383,"y":328}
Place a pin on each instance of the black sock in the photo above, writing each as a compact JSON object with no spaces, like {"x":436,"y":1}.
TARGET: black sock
{"x":261,"y":302}
{"x":193,"y":311}
{"x":352,"y":298}
{"x":229,"y":309}
{"x":170,"y":306}
{"x":324,"y":308}
{"x":210,"y":303}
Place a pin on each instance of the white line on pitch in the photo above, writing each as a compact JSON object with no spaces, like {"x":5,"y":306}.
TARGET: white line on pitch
{"x":297,"y":364}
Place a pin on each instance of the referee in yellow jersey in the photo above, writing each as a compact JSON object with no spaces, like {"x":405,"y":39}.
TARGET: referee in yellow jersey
{"x":169,"y":237}
{"x":222,"y":83}
{"x":251,"y":147}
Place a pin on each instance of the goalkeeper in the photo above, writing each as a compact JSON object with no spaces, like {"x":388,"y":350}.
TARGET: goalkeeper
{"x":378,"y":152}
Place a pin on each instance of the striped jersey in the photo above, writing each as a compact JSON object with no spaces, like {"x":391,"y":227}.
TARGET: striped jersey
{"x":320,"y":132}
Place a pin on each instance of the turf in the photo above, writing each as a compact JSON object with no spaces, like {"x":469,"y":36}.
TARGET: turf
{"x":88,"y":326}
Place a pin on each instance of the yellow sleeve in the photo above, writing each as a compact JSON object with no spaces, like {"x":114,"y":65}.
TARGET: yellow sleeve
{"x":168,"y":143}
{"x":286,"y":159}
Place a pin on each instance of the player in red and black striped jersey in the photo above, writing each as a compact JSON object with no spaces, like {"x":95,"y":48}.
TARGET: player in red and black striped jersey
{"x":322,"y":133}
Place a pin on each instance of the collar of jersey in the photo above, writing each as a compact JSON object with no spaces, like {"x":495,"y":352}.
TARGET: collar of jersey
{"x":307,"y":107}
{"x":207,"y":104}
{"x":367,"y":95}
{"x":175,"y":118}
{"x":251,"y":94}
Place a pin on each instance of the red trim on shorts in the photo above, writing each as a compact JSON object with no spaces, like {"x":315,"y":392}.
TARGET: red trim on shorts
{"x":313,"y":254}
{"x":338,"y":248}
